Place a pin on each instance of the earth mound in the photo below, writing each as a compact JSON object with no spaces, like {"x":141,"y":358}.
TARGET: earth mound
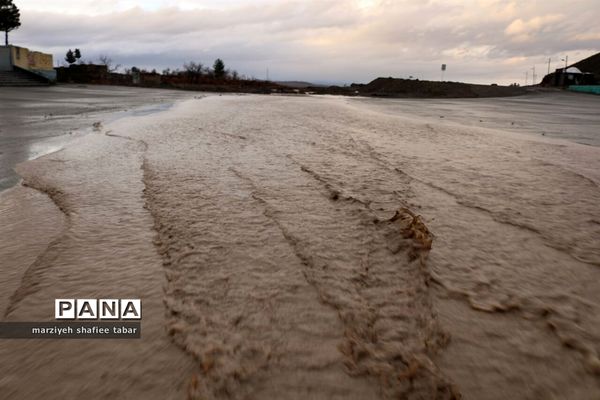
{"x":392,"y":87}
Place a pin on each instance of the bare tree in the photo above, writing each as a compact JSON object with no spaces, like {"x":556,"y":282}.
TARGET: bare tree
{"x":194,"y":71}
{"x":106,"y":60}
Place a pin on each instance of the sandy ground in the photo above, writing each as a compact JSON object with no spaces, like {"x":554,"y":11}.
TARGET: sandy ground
{"x":276,"y":246}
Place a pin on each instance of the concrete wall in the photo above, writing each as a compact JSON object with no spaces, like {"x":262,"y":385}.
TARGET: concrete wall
{"x":83,"y":73}
{"x":5,"y":63}
{"x":32,"y":60}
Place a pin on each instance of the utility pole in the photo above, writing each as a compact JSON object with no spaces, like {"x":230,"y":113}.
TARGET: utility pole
{"x":267,"y":74}
{"x":533,"y":81}
{"x":566,"y":60}
{"x":526,"y":77}
{"x":549,"y":60}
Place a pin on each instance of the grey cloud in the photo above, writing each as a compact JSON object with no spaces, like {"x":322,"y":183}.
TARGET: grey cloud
{"x":331,"y":40}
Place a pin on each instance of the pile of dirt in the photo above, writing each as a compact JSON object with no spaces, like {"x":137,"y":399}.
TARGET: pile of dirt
{"x":392,"y":87}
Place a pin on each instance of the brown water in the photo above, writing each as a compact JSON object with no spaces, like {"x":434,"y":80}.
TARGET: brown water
{"x":276,"y":246}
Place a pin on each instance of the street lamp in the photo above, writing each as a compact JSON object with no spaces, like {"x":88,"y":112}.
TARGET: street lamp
{"x":566,"y":60}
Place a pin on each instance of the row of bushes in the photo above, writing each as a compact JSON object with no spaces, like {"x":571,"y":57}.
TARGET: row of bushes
{"x":204,"y":80}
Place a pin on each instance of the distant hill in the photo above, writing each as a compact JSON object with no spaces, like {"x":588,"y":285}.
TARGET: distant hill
{"x":590,"y":64}
{"x":412,"y":88}
{"x":296,"y":84}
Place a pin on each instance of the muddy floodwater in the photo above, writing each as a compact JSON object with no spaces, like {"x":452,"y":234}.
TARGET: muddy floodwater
{"x":316,"y":248}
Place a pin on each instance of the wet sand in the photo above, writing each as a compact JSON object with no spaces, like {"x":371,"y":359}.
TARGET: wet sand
{"x":314,"y":247}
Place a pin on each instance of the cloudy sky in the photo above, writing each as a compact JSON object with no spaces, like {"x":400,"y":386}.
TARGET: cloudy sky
{"x":333,"y":41}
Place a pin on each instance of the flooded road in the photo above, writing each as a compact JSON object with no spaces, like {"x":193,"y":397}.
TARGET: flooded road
{"x":545,"y":112}
{"x":313,"y":247}
{"x":40,"y":120}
